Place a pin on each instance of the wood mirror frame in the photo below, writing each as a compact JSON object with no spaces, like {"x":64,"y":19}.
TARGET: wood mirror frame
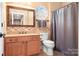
{"x":19,"y":8}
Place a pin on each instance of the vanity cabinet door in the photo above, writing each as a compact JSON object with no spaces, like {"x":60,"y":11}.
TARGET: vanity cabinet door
{"x":14,"y":47}
{"x":21,"y":48}
{"x":11,"y":49}
{"x":33,"y":46}
{"x":10,"y":46}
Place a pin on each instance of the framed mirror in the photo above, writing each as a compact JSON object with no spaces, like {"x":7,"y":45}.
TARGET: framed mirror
{"x":17,"y":16}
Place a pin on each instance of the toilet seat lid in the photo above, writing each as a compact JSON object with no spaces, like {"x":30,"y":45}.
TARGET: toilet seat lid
{"x":48,"y":41}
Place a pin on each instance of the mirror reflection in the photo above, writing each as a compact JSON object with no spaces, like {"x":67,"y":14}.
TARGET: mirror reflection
{"x":21,"y":17}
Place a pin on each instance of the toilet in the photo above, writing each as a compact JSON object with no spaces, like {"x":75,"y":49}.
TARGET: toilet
{"x":48,"y":45}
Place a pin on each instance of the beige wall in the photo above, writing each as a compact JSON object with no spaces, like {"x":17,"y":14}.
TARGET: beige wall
{"x":57,"y":5}
{"x":47,"y":5}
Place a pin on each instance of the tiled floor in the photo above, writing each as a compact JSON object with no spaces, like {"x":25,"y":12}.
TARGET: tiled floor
{"x":58,"y":53}
{"x":55,"y":53}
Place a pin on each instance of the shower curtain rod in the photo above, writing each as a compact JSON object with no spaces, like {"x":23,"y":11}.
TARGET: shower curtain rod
{"x":65,"y":6}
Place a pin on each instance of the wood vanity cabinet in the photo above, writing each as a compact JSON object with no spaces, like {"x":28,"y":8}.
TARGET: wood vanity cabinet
{"x":22,"y":45}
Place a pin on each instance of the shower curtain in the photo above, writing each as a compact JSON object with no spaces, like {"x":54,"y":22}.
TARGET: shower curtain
{"x":64,"y":29}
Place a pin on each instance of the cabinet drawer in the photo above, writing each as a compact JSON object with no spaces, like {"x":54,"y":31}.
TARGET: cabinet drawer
{"x":25,"y":38}
{"x":11,"y":39}
{"x":36,"y":38}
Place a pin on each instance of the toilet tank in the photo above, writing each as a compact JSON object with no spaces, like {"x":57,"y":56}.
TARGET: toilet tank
{"x":44,"y":36}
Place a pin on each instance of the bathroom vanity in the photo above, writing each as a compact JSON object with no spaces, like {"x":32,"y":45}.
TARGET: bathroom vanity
{"x":25,"y":41}
{"x":21,"y":45}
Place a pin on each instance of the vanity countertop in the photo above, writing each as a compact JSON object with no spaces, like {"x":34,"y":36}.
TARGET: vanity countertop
{"x":10,"y":35}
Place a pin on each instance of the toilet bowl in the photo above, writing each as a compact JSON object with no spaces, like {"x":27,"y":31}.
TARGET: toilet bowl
{"x":48,"y":45}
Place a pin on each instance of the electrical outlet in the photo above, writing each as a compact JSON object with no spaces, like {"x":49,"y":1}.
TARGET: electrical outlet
{"x":1,"y":24}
